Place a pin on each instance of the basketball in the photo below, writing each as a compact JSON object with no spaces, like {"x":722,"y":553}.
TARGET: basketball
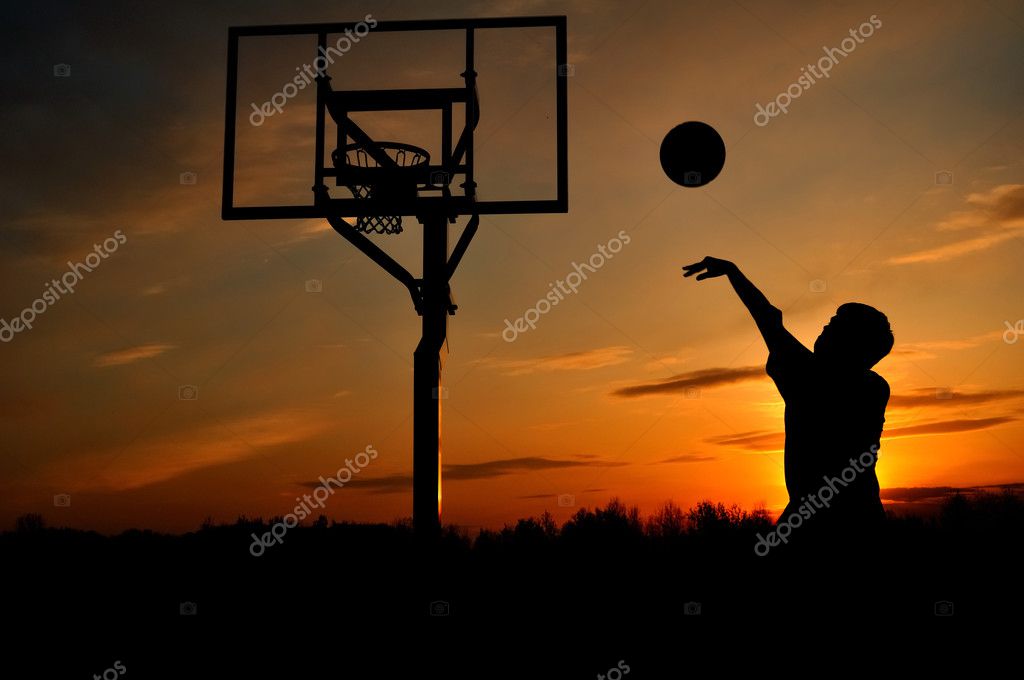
{"x":692,"y":154}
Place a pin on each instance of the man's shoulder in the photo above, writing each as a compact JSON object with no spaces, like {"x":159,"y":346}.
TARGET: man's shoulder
{"x":878,"y":383}
{"x":877,"y":379}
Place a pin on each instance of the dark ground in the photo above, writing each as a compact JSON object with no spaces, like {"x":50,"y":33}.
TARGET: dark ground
{"x":618,"y":582}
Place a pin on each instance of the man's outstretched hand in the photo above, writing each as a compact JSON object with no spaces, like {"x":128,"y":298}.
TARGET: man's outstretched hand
{"x":709,"y":268}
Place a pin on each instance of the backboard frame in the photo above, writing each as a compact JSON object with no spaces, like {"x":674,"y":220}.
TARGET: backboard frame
{"x":350,"y":207}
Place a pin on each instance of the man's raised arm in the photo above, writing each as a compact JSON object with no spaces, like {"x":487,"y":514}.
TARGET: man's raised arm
{"x":767,"y":317}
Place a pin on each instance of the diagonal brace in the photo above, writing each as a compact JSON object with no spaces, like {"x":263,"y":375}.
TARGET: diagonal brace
{"x":371,"y":250}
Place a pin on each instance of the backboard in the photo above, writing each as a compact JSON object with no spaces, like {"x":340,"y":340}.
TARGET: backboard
{"x":474,"y":110}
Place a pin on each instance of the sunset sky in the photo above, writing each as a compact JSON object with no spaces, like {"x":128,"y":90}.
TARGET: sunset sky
{"x":642,"y":386}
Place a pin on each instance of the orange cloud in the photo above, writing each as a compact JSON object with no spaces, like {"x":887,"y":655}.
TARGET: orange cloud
{"x":755,"y":440}
{"x":997,"y":214}
{"x":927,"y":349}
{"x":573,"y":361}
{"x":167,"y":457}
{"x":130,"y":355}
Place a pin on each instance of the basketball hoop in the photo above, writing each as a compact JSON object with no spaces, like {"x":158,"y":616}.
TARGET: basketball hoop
{"x":366,"y":178}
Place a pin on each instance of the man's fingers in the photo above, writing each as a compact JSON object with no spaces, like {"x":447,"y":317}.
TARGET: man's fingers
{"x":691,"y":269}
{"x":705,"y":275}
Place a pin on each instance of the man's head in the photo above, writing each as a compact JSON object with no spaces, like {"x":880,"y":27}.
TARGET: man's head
{"x":858,"y":336}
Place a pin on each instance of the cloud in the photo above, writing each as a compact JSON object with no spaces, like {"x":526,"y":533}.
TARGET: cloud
{"x":918,"y":493}
{"x":573,"y":361}
{"x":130,"y":355}
{"x":754,"y":440}
{"x":498,"y":468}
{"x":993,"y":217}
{"x":686,"y":458}
{"x":935,"y":494}
{"x":395,"y":483}
{"x":709,"y":377}
{"x":465,"y":471}
{"x":930,"y":396}
{"x":926,"y":349}
{"x":766,"y":441}
{"x":947,"y":427}
{"x":166,"y":457}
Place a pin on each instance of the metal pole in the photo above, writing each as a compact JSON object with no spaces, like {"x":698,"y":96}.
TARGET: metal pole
{"x":427,"y":390}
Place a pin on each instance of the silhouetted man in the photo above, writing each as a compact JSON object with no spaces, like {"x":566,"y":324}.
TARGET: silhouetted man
{"x":835,"y":408}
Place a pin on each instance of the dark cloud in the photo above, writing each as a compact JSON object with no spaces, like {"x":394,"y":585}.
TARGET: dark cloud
{"x":687,"y":458}
{"x":932,"y":396}
{"x":498,"y":468}
{"x":936,"y":494}
{"x":917,"y":493}
{"x":754,"y":440}
{"x":131,"y":116}
{"x":765,"y":440}
{"x":947,"y":426}
{"x":708,"y":377}
{"x":400,"y":482}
